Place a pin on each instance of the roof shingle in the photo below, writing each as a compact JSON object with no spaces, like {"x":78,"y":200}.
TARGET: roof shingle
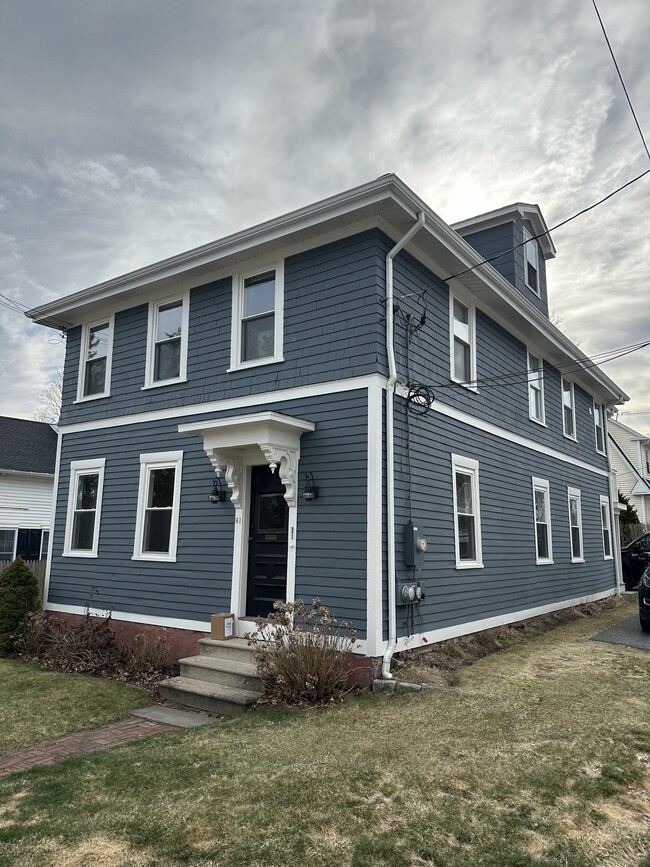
{"x":27,"y":446}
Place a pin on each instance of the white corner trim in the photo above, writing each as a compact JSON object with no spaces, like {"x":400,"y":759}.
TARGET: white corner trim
{"x":374,"y":527}
{"x":154,"y":307}
{"x":55,"y":496}
{"x":445,"y":633}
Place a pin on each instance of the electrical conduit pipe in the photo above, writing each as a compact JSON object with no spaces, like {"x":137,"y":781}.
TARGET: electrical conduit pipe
{"x":390,"y":443}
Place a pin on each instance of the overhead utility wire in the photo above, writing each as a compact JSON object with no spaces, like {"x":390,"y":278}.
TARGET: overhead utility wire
{"x":620,"y":78}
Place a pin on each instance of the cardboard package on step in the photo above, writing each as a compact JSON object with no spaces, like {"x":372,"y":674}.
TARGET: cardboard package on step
{"x":223,"y":627}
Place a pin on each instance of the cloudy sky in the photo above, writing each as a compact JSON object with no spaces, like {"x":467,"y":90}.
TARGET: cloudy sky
{"x":131,"y":130}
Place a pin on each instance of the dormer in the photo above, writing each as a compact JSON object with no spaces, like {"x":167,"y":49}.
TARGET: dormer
{"x":511,"y":235}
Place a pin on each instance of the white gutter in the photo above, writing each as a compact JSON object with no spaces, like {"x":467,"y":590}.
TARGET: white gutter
{"x":390,"y":442}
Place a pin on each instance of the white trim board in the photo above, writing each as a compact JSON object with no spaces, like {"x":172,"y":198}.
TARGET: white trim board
{"x":301,"y":391}
{"x":374,"y":522}
{"x":510,"y":436}
{"x":433,"y":636}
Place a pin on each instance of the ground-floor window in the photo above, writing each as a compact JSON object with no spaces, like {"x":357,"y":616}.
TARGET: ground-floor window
{"x":542,"y":512}
{"x":84,"y":508}
{"x":7,"y":544}
{"x":606,"y":527}
{"x":159,"y":496}
{"x":575,"y":524}
{"x":467,"y":513}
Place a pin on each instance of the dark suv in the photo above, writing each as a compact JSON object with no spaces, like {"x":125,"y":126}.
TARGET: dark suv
{"x":644,"y":601}
{"x":635,"y":558}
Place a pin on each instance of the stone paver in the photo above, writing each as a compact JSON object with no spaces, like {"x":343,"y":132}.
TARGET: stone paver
{"x":80,"y":744}
{"x":172,"y":716}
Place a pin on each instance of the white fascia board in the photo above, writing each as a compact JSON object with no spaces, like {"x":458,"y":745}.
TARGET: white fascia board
{"x":510,"y":213}
{"x":27,"y":473}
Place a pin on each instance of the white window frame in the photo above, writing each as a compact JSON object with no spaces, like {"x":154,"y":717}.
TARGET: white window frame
{"x":605,"y":509}
{"x":572,"y":434}
{"x":15,"y":532}
{"x":95,"y":466}
{"x":83,"y":359}
{"x":530,"y":243}
{"x":536,"y":383}
{"x":574,"y":493}
{"x":543,"y":485}
{"x":149,"y":462}
{"x":45,"y":530}
{"x":467,"y":466}
{"x":600,"y":409}
{"x":470,"y":384}
{"x":236,"y":343}
{"x":154,"y":307}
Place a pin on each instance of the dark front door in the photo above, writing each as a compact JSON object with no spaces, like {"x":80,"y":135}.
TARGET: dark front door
{"x":267,"y":543}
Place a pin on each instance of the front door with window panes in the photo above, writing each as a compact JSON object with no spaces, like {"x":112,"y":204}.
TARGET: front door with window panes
{"x":267,"y":543}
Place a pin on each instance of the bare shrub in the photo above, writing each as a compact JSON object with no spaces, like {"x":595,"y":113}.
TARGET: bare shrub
{"x":146,"y":655}
{"x":87,"y":646}
{"x":630,"y":532}
{"x":303,"y":656}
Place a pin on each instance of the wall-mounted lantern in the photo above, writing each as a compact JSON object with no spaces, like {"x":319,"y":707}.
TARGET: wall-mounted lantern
{"x":218,"y":494}
{"x":311,"y":489}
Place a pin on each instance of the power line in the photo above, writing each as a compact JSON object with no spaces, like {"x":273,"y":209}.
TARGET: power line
{"x":620,"y":78}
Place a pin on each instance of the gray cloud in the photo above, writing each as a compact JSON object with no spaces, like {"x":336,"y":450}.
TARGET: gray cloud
{"x":131,"y":131}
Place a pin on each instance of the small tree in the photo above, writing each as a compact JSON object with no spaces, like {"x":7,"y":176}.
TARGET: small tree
{"x":19,"y":595}
{"x":629,"y":523}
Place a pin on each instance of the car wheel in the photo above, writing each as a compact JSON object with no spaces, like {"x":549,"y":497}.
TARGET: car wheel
{"x":645,"y":624}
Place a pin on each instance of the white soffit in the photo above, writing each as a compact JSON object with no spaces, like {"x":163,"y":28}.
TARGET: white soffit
{"x":250,"y":430}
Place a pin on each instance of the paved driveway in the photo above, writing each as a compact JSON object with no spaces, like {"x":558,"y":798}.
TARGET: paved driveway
{"x":627,"y":632}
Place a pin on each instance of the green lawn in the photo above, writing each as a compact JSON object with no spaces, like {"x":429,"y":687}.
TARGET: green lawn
{"x":36,"y":705}
{"x":539,"y":757}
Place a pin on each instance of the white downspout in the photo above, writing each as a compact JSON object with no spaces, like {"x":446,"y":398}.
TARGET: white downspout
{"x":390,"y":441}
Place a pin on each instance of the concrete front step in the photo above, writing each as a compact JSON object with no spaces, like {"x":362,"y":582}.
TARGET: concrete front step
{"x":233,"y":648}
{"x":229,"y":672}
{"x":212,"y":697}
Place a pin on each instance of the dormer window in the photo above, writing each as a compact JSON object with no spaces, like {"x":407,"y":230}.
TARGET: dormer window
{"x":531,"y":262}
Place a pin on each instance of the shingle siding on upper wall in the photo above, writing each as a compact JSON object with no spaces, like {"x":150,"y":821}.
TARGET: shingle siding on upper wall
{"x":510,"y":580}
{"x":332,"y":309}
{"x":500,"y":357}
{"x":331,"y":532}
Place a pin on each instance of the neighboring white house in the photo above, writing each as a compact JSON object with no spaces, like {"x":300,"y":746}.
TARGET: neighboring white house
{"x":630,"y":457}
{"x":27,"y":462}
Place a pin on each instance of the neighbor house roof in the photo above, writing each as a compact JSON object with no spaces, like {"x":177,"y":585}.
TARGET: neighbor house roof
{"x":27,"y":446}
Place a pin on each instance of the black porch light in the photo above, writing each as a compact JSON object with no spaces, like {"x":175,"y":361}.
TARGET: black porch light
{"x":311,"y":490}
{"x":218,"y":494}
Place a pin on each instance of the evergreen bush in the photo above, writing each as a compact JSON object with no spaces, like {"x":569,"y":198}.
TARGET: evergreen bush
{"x":19,"y":595}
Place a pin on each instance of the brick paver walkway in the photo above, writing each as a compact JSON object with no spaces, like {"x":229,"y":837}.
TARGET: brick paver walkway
{"x":80,"y":744}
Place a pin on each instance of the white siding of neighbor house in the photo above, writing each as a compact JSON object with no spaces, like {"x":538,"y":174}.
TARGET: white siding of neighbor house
{"x":25,"y":501}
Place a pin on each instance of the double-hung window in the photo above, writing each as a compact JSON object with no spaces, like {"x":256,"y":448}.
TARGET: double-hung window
{"x":95,"y":364}
{"x":531,"y":262}
{"x":156,"y":530}
{"x":167,"y":341}
{"x":542,"y":512}
{"x":84,"y":508}
{"x":467,"y":513}
{"x":257,"y":320}
{"x":606,"y":525}
{"x":575,"y":525}
{"x":536,"y":388}
{"x":463,"y":342}
{"x":568,"y":409}
{"x":7,"y":545}
{"x":599,"y":427}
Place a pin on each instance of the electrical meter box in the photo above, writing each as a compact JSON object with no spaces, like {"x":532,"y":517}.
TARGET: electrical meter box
{"x":414,"y":546}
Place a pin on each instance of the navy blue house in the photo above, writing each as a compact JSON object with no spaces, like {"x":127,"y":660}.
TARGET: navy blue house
{"x":346,"y":402}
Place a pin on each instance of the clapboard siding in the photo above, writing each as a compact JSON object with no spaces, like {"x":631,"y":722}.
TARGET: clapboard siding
{"x":501,"y":361}
{"x":332,"y":309}
{"x":510,"y":579}
{"x":331,"y":535}
{"x":25,"y":501}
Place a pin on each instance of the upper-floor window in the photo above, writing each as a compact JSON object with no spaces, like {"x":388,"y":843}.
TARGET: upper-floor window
{"x":531,"y":262}
{"x":463,"y":343}
{"x":159,"y":494}
{"x":568,"y":409}
{"x":84,"y":508}
{"x":467,"y":513}
{"x":599,"y":427}
{"x":95,"y":363}
{"x":606,"y":528}
{"x":542,"y":512}
{"x":257,"y":319}
{"x":535,"y":388}
{"x":647,"y":462}
{"x":167,"y":341}
{"x":575,"y":524}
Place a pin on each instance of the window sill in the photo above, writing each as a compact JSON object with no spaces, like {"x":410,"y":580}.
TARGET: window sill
{"x":544,"y":562}
{"x":602,"y":454}
{"x":469,"y":566}
{"x":85,"y":554}
{"x":151,"y":558}
{"x":608,"y":557}
{"x":577,"y":559}
{"x":163,"y":383}
{"x":536,"y":292}
{"x":245,"y":365}
{"x":92,"y":397}
{"x":574,"y":438}
{"x":538,"y":421}
{"x":467,"y":387}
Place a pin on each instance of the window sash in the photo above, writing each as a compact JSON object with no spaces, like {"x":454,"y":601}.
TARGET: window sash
{"x":606,"y":528}
{"x":7,"y":544}
{"x":531,"y":262}
{"x":568,"y":409}
{"x":575,"y":526}
{"x":167,"y":345}
{"x":535,"y":388}
{"x":462,"y":342}
{"x":84,"y":508}
{"x":542,"y":520}
{"x":157,"y":517}
{"x":599,"y":427}
{"x":467,"y":520}
{"x":258,"y":309}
